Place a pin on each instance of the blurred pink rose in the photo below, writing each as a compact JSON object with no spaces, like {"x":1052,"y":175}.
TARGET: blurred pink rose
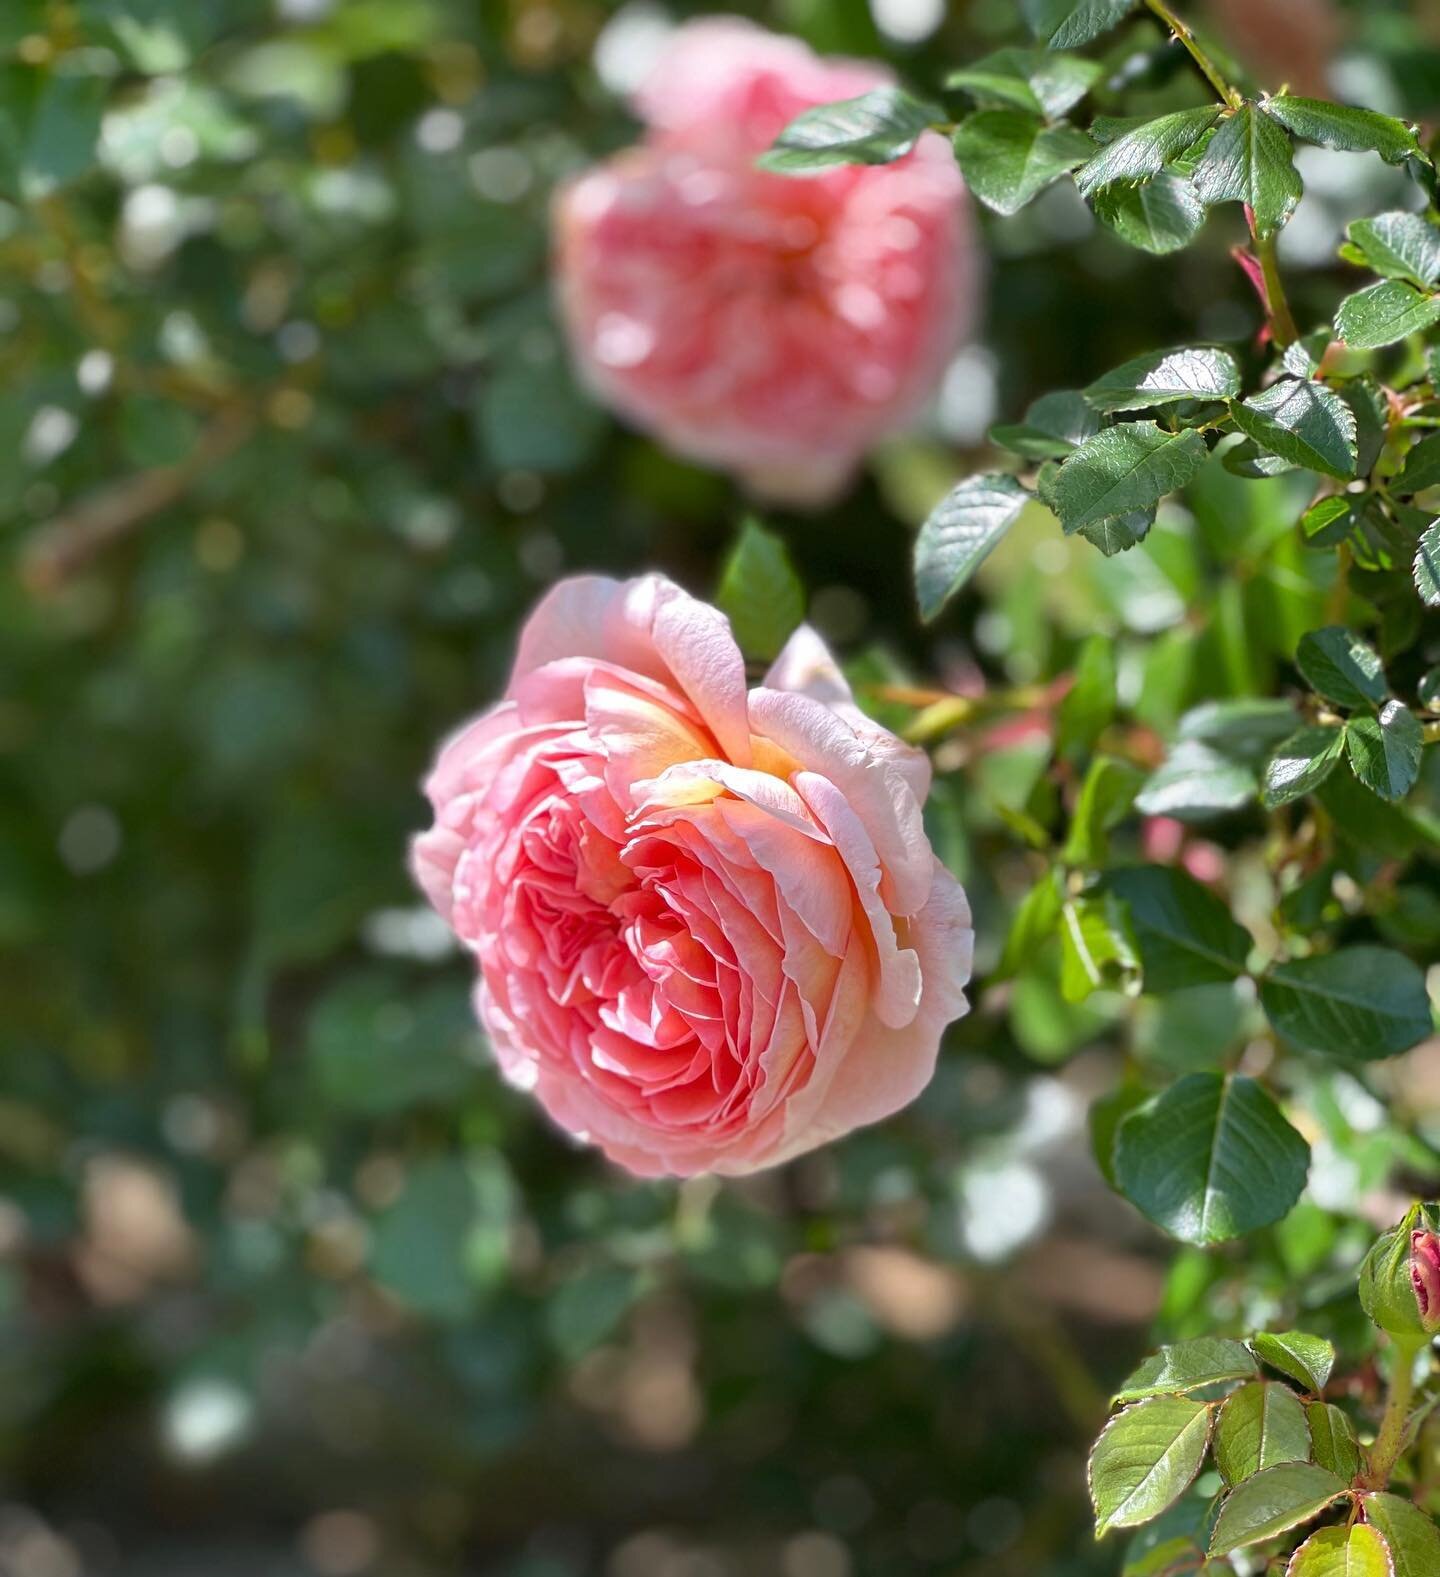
{"x":771,"y":325}
{"x":711,"y":931}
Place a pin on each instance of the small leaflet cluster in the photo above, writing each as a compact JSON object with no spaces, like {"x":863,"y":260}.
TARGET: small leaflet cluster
{"x":1284,"y":1457}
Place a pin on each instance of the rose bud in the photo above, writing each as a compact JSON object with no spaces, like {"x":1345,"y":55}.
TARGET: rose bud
{"x":710,"y":929}
{"x":769,"y":325}
{"x":1387,"y":1287}
{"x":1425,"y":1276}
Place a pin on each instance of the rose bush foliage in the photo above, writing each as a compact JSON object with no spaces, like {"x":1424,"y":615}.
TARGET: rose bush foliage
{"x":301,"y":429}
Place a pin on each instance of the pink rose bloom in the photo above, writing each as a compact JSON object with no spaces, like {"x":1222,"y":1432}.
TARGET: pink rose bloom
{"x":710,"y":929}
{"x":770,"y":325}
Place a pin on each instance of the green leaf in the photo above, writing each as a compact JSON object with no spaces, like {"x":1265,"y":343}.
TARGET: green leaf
{"x":1344,"y":127}
{"x":876,"y":128}
{"x":1302,"y":764}
{"x":1008,"y":157}
{"x":1124,"y":469}
{"x":1330,"y":520}
{"x":1246,"y":459}
{"x":1052,"y":426}
{"x":1421,"y":469}
{"x":1248,"y":161}
{"x":1341,"y":667}
{"x":1195,"y":782}
{"x":1246,"y":728}
{"x":760,"y":593}
{"x":1159,"y":217}
{"x":1146,"y":149}
{"x":1162,"y":377}
{"x":1399,"y":246}
{"x":1035,"y":922}
{"x":1189,"y":1366}
{"x":1383,"y":313}
{"x":1260,"y":1424}
{"x":1119,"y":533}
{"x":1360,"y":1003}
{"x":1385,"y":751}
{"x":1279,"y":1498}
{"x":1332,"y":1439}
{"x":1303,"y":422}
{"x":1413,"y":1538}
{"x":1042,"y":81}
{"x":1145,"y":1459}
{"x":1210,"y":1159}
{"x":1096,"y":952}
{"x":1105,"y":798}
{"x":959,"y":532}
{"x":1357,"y":1551}
{"x":1107,"y":1112}
{"x":1308,"y":1359}
{"x":1186,"y":935}
{"x":1426,"y":567}
{"x":1089,"y":704}
{"x":1066,"y":24}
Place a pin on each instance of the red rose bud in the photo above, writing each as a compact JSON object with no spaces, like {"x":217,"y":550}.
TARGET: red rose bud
{"x":1425,"y":1277}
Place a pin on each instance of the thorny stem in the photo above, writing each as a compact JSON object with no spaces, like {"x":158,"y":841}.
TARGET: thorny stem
{"x":1208,"y":68}
{"x":1391,"y":1440}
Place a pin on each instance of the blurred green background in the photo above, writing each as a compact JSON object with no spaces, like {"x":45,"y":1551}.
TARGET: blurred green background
{"x":289,"y":1283}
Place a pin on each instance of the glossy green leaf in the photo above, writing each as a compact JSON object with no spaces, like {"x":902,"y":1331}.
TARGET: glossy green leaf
{"x":1052,"y":426}
{"x":1066,"y":24}
{"x":1303,"y":422}
{"x":1119,"y":533}
{"x":1413,"y":1538}
{"x":1305,"y":1358}
{"x":1186,"y":935}
{"x":1344,"y":127}
{"x":1124,"y":469}
{"x":760,"y":593}
{"x":1160,"y":216}
{"x":1332,"y":1439}
{"x":1426,"y":565}
{"x":1163,"y":377}
{"x":1302,"y":764}
{"x":1009,"y":157}
{"x":1042,"y":81}
{"x":1145,"y":1459}
{"x":958,"y":534}
{"x":1359,"y":1003}
{"x":1249,"y":161}
{"x":1383,"y":313}
{"x":1341,"y":667}
{"x":1196,"y":783}
{"x":1399,"y":246}
{"x":1210,"y":1159}
{"x":1385,"y":750}
{"x":876,"y":128}
{"x":1279,"y":1498}
{"x":1246,"y":728}
{"x":1189,"y":1366}
{"x":1357,"y":1551}
{"x":1261,"y":1424}
{"x":1146,"y":149}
